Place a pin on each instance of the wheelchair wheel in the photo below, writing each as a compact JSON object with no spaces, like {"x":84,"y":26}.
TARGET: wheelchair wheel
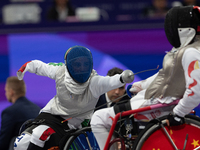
{"x":117,"y":144}
{"x":82,"y":139}
{"x":185,"y":136}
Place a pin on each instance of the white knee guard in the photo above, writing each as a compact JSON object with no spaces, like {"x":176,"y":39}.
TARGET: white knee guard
{"x":41,"y":134}
{"x":22,"y":142}
{"x":100,"y":123}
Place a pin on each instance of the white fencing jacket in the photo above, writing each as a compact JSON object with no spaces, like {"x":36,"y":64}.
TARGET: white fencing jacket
{"x":72,"y":99}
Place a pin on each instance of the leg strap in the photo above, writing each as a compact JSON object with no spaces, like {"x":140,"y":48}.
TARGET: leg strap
{"x":121,"y":125}
{"x":122,"y":107}
{"x":34,"y":147}
{"x":51,"y":120}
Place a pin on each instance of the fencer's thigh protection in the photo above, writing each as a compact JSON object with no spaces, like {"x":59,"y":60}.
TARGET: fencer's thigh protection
{"x":22,"y":142}
{"x":100,"y":123}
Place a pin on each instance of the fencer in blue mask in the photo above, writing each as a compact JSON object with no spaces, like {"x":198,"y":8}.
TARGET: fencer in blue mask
{"x":78,"y":87}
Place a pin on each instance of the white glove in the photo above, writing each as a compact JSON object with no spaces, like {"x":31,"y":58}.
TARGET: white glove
{"x":137,"y":87}
{"x":127,"y":76}
{"x":22,"y":70}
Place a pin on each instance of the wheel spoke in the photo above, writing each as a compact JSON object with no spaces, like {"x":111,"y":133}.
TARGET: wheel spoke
{"x":184,"y":146}
{"x":169,"y":137}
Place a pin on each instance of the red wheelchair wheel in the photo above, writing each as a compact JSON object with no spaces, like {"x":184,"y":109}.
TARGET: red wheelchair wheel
{"x":185,"y":136}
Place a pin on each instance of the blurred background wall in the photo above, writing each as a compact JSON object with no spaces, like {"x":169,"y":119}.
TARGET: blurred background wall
{"x":125,"y":33}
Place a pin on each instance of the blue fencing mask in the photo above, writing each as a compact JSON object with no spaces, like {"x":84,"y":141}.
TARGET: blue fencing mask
{"x":79,"y":63}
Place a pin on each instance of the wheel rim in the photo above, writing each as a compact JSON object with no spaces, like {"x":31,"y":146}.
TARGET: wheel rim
{"x":80,"y":143}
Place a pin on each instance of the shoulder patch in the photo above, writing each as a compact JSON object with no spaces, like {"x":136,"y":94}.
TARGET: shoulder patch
{"x":56,"y":64}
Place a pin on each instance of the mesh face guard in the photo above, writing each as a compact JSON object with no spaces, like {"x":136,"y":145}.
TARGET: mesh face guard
{"x":79,"y":63}
{"x":180,"y":17}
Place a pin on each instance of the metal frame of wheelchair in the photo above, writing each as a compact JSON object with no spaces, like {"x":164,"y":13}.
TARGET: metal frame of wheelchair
{"x":139,"y":143}
{"x":158,"y":129}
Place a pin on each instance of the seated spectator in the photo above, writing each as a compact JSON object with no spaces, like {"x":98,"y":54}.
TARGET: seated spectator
{"x":112,"y":94}
{"x":15,"y":115}
{"x":190,"y":2}
{"x":186,"y":3}
{"x":157,"y":10}
{"x":60,"y":11}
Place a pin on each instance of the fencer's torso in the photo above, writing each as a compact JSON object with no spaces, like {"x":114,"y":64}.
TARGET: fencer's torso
{"x":72,"y":100}
{"x":67,"y":104}
{"x":170,"y":81}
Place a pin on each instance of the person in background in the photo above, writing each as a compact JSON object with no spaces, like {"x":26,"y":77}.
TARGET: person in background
{"x":190,"y":2}
{"x":60,"y":11}
{"x":157,"y":10}
{"x":15,"y":115}
{"x":186,"y":3}
{"x":112,"y":94}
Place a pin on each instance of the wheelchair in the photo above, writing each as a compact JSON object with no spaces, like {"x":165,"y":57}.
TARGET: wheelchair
{"x":141,"y":135}
{"x":152,"y":135}
{"x":155,"y":134}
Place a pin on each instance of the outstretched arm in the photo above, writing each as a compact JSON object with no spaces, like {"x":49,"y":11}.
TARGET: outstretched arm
{"x":141,"y":85}
{"x":100,"y":84}
{"x":40,"y":68}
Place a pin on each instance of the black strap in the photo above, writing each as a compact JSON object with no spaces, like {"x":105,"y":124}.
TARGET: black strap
{"x":122,"y":107}
{"x":54,"y":121}
{"x":120,"y":127}
{"x":34,"y":147}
